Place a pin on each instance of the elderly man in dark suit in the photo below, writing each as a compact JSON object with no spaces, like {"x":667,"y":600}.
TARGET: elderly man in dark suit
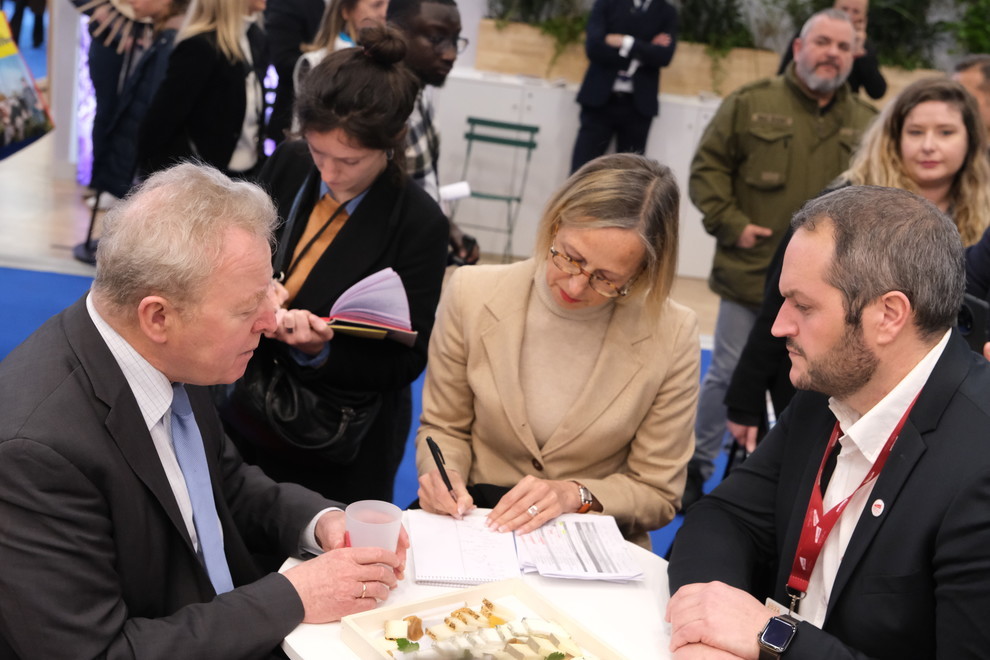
{"x":865,"y":514}
{"x":627,"y":42}
{"x":128,"y":517}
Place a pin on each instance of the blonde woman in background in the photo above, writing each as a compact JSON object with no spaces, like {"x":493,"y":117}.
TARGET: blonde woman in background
{"x":209,"y":107}
{"x":342,"y":20}
{"x":931,"y":140}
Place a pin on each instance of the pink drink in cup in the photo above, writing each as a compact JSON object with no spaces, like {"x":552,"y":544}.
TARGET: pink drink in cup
{"x":373,"y":523}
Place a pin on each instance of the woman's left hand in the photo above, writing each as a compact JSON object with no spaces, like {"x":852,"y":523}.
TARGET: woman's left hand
{"x":532,"y":502}
{"x":301,"y":329}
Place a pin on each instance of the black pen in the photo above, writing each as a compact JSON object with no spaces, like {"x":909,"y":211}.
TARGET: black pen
{"x":438,"y":459}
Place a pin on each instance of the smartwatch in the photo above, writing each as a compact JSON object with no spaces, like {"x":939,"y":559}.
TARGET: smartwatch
{"x":777,"y":635}
{"x":587,"y":499}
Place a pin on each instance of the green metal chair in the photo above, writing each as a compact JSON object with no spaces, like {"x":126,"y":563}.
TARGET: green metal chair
{"x":503,"y":134}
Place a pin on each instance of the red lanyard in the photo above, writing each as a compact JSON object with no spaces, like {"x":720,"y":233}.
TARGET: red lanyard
{"x":817,"y":525}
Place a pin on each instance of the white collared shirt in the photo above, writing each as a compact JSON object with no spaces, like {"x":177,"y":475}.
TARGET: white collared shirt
{"x":862,"y":441}
{"x":153,"y":392}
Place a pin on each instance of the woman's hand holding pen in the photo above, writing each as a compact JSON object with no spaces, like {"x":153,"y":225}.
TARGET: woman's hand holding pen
{"x":435,"y":498}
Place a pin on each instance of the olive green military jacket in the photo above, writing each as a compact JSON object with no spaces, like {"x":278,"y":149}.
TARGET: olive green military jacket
{"x":768,"y":149}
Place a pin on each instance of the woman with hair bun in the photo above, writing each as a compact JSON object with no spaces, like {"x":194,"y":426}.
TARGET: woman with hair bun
{"x":348,"y":210}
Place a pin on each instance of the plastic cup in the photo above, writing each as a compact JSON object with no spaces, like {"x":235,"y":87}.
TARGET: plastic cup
{"x":373,"y":524}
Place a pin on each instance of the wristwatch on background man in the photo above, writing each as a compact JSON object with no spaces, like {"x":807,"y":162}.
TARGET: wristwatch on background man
{"x":777,"y":635}
{"x":587,"y":499}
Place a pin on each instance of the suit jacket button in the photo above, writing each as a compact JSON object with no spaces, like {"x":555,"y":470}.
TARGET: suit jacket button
{"x":538,"y":465}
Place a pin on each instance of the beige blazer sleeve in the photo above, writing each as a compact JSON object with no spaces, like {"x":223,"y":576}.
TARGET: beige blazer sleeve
{"x":630,"y":433}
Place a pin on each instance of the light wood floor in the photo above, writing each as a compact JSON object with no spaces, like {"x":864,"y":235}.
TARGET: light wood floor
{"x":42,"y":218}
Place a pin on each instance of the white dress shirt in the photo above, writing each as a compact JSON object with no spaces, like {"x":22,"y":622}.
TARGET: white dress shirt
{"x":153,"y":392}
{"x":862,"y":441}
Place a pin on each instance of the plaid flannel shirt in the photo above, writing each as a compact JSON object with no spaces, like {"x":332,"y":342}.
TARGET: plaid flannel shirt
{"x":423,"y":144}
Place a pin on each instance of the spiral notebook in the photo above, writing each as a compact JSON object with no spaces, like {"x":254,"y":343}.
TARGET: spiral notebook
{"x":462,"y":553}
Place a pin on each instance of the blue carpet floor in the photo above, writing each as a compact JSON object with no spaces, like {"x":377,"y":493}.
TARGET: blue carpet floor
{"x":30,"y":297}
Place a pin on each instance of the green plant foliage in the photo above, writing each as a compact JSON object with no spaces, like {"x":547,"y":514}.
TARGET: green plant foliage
{"x":717,"y":23}
{"x":564,"y":20}
{"x":901,"y":33}
{"x":972,"y":31}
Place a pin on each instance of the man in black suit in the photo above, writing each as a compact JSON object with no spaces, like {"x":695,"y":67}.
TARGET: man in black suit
{"x":289,"y":24}
{"x":113,"y":544}
{"x":887,"y":566}
{"x":627,"y":42}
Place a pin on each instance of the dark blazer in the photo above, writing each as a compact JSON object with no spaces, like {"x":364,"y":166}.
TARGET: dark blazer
{"x":618,"y":16}
{"x":289,"y":24}
{"x":116,"y":165}
{"x":396,"y":225}
{"x":200,"y":102}
{"x":96,"y":559}
{"x":978,"y":267}
{"x":914,"y":581}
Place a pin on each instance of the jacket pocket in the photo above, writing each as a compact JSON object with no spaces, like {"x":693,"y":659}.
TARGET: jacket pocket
{"x":768,"y":159}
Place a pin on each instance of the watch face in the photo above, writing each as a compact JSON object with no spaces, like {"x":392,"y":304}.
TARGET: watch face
{"x":777,"y":635}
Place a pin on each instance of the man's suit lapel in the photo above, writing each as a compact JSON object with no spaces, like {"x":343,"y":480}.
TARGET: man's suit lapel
{"x":910,"y":446}
{"x":123,"y":419}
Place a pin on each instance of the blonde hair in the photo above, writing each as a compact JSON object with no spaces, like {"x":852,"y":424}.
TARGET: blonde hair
{"x":331,"y":25}
{"x":225,"y":17}
{"x":878,"y":160}
{"x":626,"y":191}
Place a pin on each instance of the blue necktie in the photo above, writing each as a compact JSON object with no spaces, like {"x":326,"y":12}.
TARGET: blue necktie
{"x":189,"y":451}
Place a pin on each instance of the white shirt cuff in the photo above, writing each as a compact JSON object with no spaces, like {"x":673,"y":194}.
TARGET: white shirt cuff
{"x":627,"y":44}
{"x":307,"y":538}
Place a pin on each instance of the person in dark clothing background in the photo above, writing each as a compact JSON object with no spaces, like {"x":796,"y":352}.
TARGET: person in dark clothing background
{"x":627,"y":43}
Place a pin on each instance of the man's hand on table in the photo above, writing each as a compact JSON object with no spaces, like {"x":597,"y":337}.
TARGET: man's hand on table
{"x":345,"y":580}
{"x":435,"y":498}
{"x":718,"y":616}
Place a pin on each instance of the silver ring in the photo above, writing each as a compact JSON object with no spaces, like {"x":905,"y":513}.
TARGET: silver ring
{"x":533,"y":510}
{"x":364,"y":589}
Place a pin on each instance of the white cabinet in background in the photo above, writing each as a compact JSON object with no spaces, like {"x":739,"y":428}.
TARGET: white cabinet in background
{"x":673,"y":139}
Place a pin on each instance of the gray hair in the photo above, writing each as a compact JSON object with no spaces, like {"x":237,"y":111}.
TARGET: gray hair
{"x":887,"y":239}
{"x":835,"y":14}
{"x":167,"y":236}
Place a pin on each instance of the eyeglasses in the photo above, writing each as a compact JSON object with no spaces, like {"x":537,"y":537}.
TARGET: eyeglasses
{"x":441,"y":43}
{"x":598,"y":284}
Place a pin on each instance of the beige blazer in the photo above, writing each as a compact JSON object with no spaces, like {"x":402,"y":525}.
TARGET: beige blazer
{"x":628,"y":436}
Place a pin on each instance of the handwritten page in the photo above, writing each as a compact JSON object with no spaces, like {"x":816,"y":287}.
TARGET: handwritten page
{"x":460,"y":552}
{"x":584,"y":547}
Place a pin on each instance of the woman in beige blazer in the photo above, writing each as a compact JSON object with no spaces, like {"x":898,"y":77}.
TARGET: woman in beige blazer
{"x":567,"y":382}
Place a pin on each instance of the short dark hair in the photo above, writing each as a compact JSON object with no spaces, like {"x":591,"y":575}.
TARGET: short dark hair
{"x":888,"y":239}
{"x":400,"y":11}
{"x":978,"y":60}
{"x":367,"y":92}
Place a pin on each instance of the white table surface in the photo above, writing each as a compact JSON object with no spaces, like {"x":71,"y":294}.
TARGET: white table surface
{"x":626,"y":616}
